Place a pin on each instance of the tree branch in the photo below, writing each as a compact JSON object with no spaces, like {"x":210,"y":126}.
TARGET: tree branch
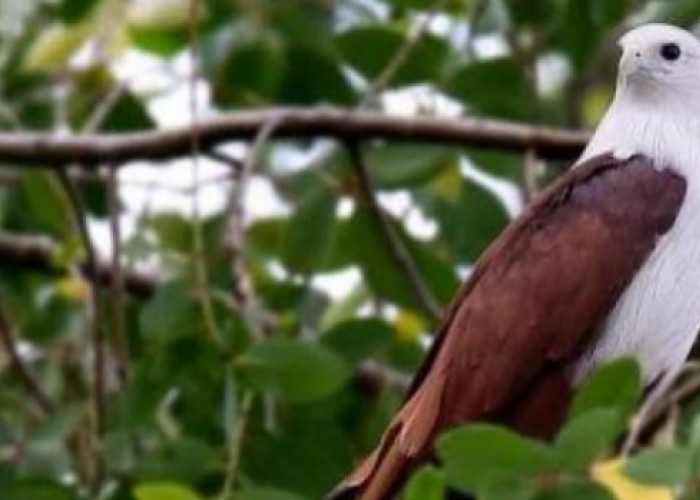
{"x":94,"y":149}
{"x":397,"y":249}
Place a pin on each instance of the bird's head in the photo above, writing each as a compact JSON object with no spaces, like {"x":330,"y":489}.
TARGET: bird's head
{"x":660,"y":62}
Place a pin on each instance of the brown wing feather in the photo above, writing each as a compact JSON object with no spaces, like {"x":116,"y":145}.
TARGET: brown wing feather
{"x":534,"y":301}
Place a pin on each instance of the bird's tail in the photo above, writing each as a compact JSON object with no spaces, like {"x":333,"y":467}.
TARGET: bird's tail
{"x":380,"y":476}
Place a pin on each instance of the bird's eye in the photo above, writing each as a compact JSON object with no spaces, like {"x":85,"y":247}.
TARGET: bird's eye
{"x":670,"y":51}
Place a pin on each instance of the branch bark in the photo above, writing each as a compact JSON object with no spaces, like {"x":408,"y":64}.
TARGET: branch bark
{"x":114,"y":149}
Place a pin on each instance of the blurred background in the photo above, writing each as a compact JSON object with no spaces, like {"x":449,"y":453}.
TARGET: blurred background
{"x":241,"y":320}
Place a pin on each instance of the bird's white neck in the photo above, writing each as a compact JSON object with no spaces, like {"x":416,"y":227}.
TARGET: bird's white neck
{"x":668,"y":135}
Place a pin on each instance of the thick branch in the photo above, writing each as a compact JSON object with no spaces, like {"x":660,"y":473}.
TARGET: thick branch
{"x":113,"y":149}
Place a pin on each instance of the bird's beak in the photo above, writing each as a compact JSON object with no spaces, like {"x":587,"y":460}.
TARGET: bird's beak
{"x":632,"y":66}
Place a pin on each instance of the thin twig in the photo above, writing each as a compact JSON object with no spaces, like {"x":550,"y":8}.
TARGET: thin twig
{"x":243,"y":294}
{"x":396,"y":247}
{"x":236,"y":445}
{"x":96,"y":322}
{"x":201,"y":275}
{"x":31,"y":384}
{"x":241,"y":287}
{"x":119,"y":337}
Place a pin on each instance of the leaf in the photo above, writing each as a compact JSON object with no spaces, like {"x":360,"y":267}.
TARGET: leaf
{"x":267,"y":494}
{"x":48,"y":203}
{"x":170,"y":314}
{"x":587,"y":436}
{"x":294,"y":370}
{"x":186,"y":460}
{"x":469,"y":216}
{"x":72,"y":11}
{"x":481,"y":455}
{"x":251,"y":72}
{"x":382,"y":272}
{"x":307,"y":456}
{"x":54,"y":46}
{"x":662,"y":467}
{"x":495,"y":88}
{"x":426,"y":484}
{"x":358,"y":339}
{"x":307,"y":235}
{"x":164,"y":491}
{"x":610,"y":475}
{"x":370,"y":49}
{"x":328,"y":84}
{"x":584,"y":24}
{"x":159,"y":14}
{"x":400,"y":166}
{"x":36,"y":489}
{"x":577,"y":490}
{"x":614,"y":385}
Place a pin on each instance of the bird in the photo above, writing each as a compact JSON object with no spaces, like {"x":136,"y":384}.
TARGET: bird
{"x":603,"y":264}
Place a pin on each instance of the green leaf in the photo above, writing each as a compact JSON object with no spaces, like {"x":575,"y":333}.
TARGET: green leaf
{"x":369,"y":49}
{"x":295,"y":370}
{"x":583,"y":25}
{"x":48,"y":203}
{"x":185,"y":460}
{"x":483,"y":455}
{"x":164,"y":491}
{"x":250,"y":73}
{"x":576,"y":490}
{"x":307,"y":235}
{"x":164,"y":43}
{"x":469,"y":216}
{"x":426,"y":484}
{"x":36,"y":489}
{"x":170,"y":314}
{"x":307,"y":456}
{"x":328,"y":85}
{"x":407,"y":165}
{"x":267,"y":494}
{"x":664,"y":467}
{"x":359,"y":339}
{"x":585,"y":437}
{"x":495,"y":88}
{"x":614,"y":385}
{"x":72,"y":11}
{"x":381,"y":271}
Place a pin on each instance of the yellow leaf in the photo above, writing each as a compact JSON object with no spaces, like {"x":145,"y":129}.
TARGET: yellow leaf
{"x":54,"y":47}
{"x":409,"y":326}
{"x":595,"y":103}
{"x":72,"y":289}
{"x":448,"y":184}
{"x":610,"y":475}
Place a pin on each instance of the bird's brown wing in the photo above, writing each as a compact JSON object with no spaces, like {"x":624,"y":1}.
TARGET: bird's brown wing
{"x":535,"y":300}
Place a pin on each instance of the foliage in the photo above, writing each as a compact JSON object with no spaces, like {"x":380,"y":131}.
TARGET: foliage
{"x":271,"y":383}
